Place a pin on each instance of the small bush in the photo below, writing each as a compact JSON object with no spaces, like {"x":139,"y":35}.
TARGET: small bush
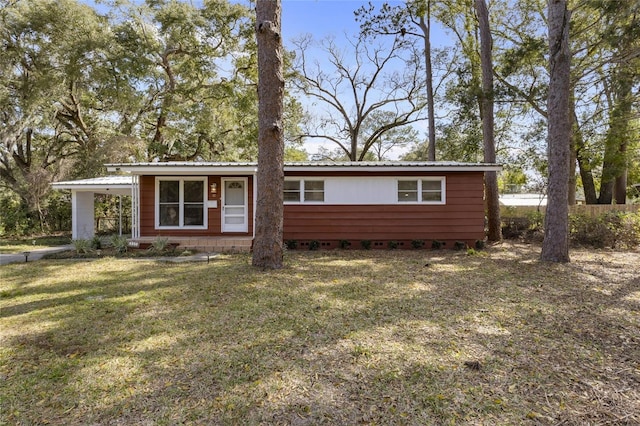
{"x":480,"y":244}
{"x":392,"y":245}
{"x":82,"y":246}
{"x":159,"y":245}
{"x":366,"y":244}
{"x":536,"y":220}
{"x":437,"y":245}
{"x":417,"y":244}
{"x":588,"y":231}
{"x":344,"y":244}
{"x":515,"y":227}
{"x":528,"y":227}
{"x":615,"y":229}
{"x":459,"y":245}
{"x":291,"y":244}
{"x":626,"y":229}
{"x":119,"y":243}
{"x":314,"y":245}
{"x":96,"y":243}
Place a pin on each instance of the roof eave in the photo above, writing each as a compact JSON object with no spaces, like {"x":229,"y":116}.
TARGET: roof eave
{"x":182,"y":170}
{"x":370,"y":169}
{"x":252,"y":168}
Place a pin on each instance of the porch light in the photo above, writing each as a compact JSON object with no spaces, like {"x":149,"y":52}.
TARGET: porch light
{"x":214,"y":189}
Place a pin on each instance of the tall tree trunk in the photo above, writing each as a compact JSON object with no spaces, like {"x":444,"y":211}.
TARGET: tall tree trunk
{"x":425,"y":26}
{"x":586,"y":175}
{"x":268,"y":244}
{"x":353,"y":154}
{"x":621,"y":187}
{"x":490,"y":178}
{"x":608,"y":172}
{"x":619,"y":130}
{"x":623,"y":37}
{"x":573,"y":155}
{"x":555,"y":247}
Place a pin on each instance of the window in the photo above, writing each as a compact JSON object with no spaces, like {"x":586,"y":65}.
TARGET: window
{"x":407,"y":190}
{"x":421,"y":191}
{"x":431,"y":190}
{"x":181,"y":202}
{"x":305,"y":191}
{"x":292,"y":190}
{"x":313,"y":190}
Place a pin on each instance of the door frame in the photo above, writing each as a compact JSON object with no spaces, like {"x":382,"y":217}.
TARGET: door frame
{"x":244,"y":227}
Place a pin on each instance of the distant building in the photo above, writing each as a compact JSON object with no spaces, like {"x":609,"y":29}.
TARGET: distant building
{"x":523,"y":200}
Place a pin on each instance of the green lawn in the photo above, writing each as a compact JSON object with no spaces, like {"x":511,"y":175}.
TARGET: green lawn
{"x":19,"y":245}
{"x":336,"y":337}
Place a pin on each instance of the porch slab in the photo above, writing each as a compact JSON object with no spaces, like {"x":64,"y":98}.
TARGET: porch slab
{"x":236,"y":244}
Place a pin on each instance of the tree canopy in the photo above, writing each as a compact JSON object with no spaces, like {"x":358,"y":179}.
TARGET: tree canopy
{"x":360,"y":92}
{"x":157,"y":81}
{"x":82,"y":85}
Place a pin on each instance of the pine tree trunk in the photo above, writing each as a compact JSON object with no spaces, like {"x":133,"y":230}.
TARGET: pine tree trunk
{"x":425,"y":26}
{"x":268,"y":244}
{"x":555,"y":247}
{"x":573,"y":157}
{"x":490,"y":178}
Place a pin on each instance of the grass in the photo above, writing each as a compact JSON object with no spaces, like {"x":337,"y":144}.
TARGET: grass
{"x":336,"y":337}
{"x":19,"y":245}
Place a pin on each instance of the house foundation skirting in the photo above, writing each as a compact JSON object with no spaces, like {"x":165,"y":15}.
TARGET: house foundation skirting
{"x":202,"y":244}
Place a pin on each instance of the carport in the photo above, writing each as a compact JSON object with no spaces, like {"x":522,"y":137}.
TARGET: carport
{"x":83,"y":197}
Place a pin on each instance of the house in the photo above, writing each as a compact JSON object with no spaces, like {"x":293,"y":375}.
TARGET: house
{"x":211,"y":206}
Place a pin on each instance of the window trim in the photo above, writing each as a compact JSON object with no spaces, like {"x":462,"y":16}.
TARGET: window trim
{"x":419,"y":179}
{"x":181,"y":202}
{"x":302,"y":190}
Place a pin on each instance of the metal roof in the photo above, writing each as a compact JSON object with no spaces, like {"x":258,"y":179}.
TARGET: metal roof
{"x":192,"y":167}
{"x":122,"y":183}
{"x":117,"y":184}
{"x":359,"y":164}
{"x":516,"y":200}
{"x":104,"y":180}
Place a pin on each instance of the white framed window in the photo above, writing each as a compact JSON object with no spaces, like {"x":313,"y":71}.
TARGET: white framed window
{"x":303,"y":191}
{"x":181,"y":202}
{"x":292,"y":191}
{"x":423,"y":190}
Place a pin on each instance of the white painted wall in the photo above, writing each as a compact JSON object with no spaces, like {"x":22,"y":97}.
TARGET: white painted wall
{"x":83,"y":216}
{"x":360,"y":190}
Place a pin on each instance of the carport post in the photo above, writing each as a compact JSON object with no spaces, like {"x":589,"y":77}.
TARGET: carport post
{"x":82,"y":215}
{"x":120,"y":214}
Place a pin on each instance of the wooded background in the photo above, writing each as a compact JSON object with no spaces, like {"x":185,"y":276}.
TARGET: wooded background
{"x":165,"y":80}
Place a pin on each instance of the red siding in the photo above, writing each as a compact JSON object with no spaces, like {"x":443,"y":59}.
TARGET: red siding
{"x":460,"y":219}
{"x":214,"y":224}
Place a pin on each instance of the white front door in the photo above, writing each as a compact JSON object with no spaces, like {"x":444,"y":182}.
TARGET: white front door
{"x":234,"y":205}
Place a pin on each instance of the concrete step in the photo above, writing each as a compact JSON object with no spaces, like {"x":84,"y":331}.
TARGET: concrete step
{"x":206,"y":244}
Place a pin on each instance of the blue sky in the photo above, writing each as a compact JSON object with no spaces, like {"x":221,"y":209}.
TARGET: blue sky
{"x":319,"y":17}
{"x":324,"y":18}
{"x":332,"y":17}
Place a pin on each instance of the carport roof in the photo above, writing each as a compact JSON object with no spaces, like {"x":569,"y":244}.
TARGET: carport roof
{"x":107,"y":185}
